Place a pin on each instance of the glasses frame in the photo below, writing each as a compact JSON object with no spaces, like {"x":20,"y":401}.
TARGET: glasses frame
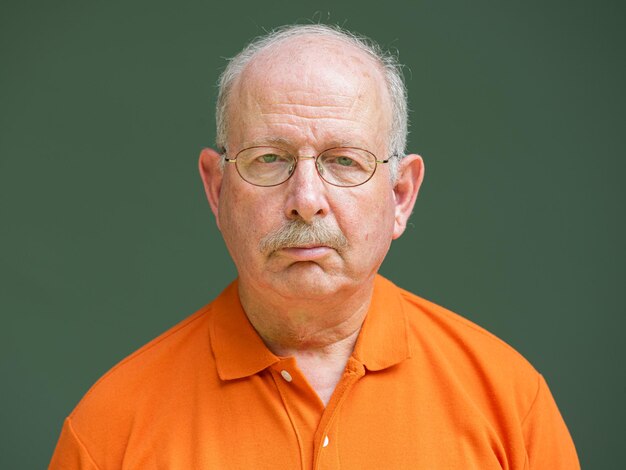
{"x":304,"y":157}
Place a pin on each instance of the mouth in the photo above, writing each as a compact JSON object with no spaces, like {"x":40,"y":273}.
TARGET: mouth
{"x":306,"y":252}
{"x":302,"y":241}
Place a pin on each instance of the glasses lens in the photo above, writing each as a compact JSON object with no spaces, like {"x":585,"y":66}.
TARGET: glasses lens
{"x":264,"y":166}
{"x":347,"y":166}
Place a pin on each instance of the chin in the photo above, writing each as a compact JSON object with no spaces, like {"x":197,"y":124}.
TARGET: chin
{"x":312,"y":283}
{"x":309,"y":282}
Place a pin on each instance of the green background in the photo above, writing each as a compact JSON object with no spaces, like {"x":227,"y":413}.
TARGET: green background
{"x":107,"y":240}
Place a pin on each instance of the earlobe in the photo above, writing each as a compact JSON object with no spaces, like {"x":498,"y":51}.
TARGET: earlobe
{"x":410,"y":177}
{"x":211,"y":173}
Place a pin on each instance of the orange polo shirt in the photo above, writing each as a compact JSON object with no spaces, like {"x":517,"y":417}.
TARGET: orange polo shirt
{"x":423,"y":389}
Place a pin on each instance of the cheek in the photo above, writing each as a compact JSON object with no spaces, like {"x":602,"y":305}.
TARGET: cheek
{"x":244,"y":219}
{"x":374,"y":225}
{"x":233,"y":218}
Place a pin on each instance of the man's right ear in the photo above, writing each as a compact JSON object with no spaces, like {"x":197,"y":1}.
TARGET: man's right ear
{"x":211,"y":172}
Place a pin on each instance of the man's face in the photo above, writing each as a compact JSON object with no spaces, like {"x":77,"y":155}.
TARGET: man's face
{"x":306,"y":100}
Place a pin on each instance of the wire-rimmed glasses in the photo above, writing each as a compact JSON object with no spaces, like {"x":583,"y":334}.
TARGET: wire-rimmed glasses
{"x":339,"y":166}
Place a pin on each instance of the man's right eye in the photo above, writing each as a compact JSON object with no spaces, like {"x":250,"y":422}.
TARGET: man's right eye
{"x":269,"y":158}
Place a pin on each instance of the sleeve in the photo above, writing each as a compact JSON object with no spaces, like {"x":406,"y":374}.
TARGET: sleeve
{"x":548,"y":442}
{"x":70,"y":453}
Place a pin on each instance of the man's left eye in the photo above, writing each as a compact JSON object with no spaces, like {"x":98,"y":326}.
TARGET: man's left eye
{"x":344,"y":161}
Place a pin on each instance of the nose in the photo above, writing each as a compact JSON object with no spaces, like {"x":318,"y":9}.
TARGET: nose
{"x":307,"y":192}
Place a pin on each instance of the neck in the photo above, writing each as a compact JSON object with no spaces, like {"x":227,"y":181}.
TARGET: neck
{"x":320,"y":333}
{"x":297,"y":324}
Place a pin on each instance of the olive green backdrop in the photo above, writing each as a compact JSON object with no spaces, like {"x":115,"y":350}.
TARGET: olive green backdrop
{"x":106,"y":239}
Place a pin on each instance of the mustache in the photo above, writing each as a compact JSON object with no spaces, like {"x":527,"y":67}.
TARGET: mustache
{"x":297,"y":233}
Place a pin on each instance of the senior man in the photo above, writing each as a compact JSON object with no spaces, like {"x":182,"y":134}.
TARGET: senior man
{"x":310,"y":359}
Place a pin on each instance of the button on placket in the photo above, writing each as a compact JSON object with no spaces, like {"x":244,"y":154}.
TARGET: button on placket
{"x":327,"y":457}
{"x":286,"y":375}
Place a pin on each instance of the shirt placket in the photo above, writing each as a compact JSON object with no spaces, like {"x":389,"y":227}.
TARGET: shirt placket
{"x":313,"y":425}
{"x":301,"y":404}
{"x":327,"y":445}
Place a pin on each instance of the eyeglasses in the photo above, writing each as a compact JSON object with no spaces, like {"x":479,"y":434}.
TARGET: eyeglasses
{"x":339,"y":166}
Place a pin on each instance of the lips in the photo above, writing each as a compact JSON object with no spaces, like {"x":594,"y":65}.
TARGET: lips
{"x":306,"y":253}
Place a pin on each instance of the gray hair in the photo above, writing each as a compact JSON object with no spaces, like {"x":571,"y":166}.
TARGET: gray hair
{"x":388,"y":62}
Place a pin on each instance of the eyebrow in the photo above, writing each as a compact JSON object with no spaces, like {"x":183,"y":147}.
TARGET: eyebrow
{"x":282,"y":142}
{"x":269,"y":141}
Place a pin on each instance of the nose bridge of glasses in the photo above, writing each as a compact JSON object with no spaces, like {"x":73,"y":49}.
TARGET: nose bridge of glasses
{"x":298,"y":158}
{"x":305,"y":157}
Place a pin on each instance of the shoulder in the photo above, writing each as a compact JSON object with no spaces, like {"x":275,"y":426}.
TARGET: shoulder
{"x":454,"y":331}
{"x":159,"y":357}
{"x":168,"y":353}
{"x":479,"y":362}
{"x":142,"y":382}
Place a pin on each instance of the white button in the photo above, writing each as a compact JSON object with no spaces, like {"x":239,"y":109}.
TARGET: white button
{"x":325,"y":442}
{"x":286,"y":375}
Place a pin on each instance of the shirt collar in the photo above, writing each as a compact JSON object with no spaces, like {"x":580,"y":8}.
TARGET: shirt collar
{"x":240,"y":352}
{"x":383,"y":340}
{"x":238,"y":349}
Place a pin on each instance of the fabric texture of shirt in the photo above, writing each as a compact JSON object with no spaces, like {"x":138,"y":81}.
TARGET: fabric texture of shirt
{"x":423,"y":389}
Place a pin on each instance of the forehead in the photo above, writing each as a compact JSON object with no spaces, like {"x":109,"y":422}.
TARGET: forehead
{"x":313,"y":90}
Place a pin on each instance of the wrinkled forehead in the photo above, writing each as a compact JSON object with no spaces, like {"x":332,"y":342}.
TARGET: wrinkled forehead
{"x":324,"y":78}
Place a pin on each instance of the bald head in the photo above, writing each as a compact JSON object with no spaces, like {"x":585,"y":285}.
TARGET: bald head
{"x":309,"y":82}
{"x":317,"y":56}
{"x":308,"y":57}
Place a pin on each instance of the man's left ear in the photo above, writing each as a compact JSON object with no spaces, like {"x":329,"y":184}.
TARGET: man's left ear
{"x":408,"y":182}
